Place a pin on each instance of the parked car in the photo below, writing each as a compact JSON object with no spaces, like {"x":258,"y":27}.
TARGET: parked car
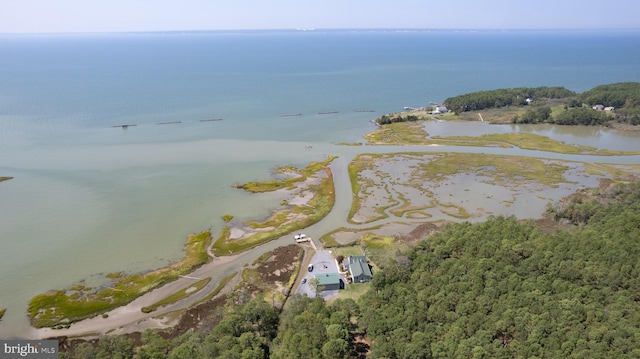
{"x":304,"y":280}
{"x":310,"y":268}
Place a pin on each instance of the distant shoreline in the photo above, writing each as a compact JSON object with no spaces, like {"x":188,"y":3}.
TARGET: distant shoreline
{"x":322,"y":30}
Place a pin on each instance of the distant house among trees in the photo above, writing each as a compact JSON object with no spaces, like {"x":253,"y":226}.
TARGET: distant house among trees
{"x":439,"y":109}
{"x":359,"y":268}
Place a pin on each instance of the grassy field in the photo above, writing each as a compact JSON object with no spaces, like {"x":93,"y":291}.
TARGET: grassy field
{"x":354,"y":290}
{"x":347,"y":251}
{"x":381,"y":250}
{"x":328,"y":241}
{"x":60,"y":308}
{"x":378,"y":249}
{"x":505,"y":115}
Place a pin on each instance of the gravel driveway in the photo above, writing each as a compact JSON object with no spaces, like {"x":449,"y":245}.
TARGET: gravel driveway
{"x":323,"y":262}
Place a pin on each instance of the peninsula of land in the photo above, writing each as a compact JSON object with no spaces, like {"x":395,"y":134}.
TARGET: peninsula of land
{"x":398,"y":200}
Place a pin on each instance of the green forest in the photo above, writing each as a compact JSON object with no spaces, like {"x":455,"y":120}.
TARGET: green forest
{"x":553,"y":105}
{"x":618,"y":95}
{"x":499,"y":289}
{"x":623,"y":98}
{"x":503,"y":97}
{"x":387,"y":119}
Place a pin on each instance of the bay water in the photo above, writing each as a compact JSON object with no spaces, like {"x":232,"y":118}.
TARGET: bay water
{"x":209,"y":109}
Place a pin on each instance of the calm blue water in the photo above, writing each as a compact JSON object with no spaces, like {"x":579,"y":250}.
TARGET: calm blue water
{"x":250,"y":78}
{"x":88,"y":198}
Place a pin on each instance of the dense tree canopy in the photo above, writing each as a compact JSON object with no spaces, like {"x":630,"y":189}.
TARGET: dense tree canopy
{"x":387,"y":119}
{"x":503,"y":97}
{"x":504,"y":289}
{"x":618,"y":95}
{"x":534,"y":115}
{"x":582,"y":116}
{"x":624,"y":96}
{"x":498,"y":289}
{"x":312,"y":329}
{"x":245,"y":331}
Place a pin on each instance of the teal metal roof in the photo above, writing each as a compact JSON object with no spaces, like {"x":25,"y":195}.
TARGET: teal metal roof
{"x":328,"y":278}
{"x":358,"y":266}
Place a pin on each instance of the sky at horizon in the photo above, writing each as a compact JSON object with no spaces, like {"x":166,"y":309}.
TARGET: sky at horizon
{"x":56,"y":16}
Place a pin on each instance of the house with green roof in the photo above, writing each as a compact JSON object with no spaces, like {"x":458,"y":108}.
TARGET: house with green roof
{"x":359,"y":269}
{"x":328,"y":281}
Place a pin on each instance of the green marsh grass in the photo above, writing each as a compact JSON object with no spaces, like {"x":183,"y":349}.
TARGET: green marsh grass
{"x":181,"y":294}
{"x":434,"y":167}
{"x":413,"y":133}
{"x":399,"y":133}
{"x":505,"y":170}
{"x":348,"y":251}
{"x":305,"y":215}
{"x":60,"y":308}
{"x":374,"y":241}
{"x":217,"y":289}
